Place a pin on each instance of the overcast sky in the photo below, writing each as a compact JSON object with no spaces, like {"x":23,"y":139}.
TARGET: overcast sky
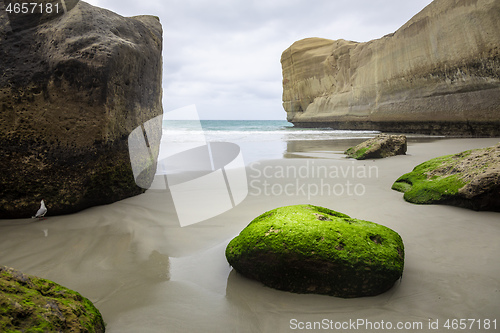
{"x":224,"y":55}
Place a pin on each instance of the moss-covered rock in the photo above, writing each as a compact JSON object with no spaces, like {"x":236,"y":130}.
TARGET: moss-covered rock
{"x":31,"y":304}
{"x":470,"y":179}
{"x":310,"y":249}
{"x":381,"y":146}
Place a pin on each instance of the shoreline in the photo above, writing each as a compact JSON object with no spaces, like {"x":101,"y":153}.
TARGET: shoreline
{"x":146,"y":273}
{"x":464,"y":129}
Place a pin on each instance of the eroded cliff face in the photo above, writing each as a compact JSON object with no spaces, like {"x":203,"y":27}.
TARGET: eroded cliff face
{"x":438,"y":74}
{"x":73,"y":87}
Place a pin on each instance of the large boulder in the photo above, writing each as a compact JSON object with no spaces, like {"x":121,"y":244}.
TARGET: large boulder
{"x":470,"y":179}
{"x":437,"y":74}
{"x":310,"y":249}
{"x":31,"y":304}
{"x":73,"y":87}
{"x":381,"y":146}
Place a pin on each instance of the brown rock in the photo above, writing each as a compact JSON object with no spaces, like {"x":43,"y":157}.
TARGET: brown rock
{"x":73,"y":87}
{"x":381,"y":146}
{"x":438,"y":74}
{"x":470,"y":179}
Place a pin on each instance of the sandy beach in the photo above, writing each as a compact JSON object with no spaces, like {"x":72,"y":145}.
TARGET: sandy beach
{"x":147,"y":274}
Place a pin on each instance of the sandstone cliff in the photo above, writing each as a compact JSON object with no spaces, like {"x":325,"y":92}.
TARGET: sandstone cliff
{"x":73,"y":86}
{"x":438,"y":74}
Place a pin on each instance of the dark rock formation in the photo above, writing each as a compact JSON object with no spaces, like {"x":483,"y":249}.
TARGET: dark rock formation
{"x":381,"y":146}
{"x":470,"y":179}
{"x":438,"y":74}
{"x":309,"y":249}
{"x":31,"y":304}
{"x":73,"y":87}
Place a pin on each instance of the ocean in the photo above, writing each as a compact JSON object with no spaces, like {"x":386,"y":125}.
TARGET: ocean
{"x":253,"y":131}
{"x":262,"y":139}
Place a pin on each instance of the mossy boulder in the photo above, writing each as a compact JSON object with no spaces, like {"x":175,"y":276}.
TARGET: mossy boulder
{"x":381,"y":146}
{"x":310,"y":249}
{"x":31,"y":304}
{"x":470,"y":179}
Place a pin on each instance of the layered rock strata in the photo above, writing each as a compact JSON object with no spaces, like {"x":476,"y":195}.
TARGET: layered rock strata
{"x":438,"y":74}
{"x":73,"y":87}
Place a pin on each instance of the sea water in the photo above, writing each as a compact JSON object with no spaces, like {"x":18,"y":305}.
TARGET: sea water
{"x":254,"y":131}
{"x":259,"y":139}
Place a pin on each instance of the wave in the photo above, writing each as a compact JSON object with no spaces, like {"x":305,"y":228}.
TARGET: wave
{"x":288,"y":134}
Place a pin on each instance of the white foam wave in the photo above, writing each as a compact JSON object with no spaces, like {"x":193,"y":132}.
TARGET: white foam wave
{"x":183,"y":135}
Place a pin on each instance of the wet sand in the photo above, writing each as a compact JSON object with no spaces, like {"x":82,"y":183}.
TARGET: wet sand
{"x":147,"y":274}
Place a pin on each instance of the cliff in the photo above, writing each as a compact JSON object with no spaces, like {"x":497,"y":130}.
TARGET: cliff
{"x":74,"y":85}
{"x":438,"y":74}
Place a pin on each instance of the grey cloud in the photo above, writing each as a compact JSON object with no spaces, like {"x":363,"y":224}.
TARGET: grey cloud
{"x":218,"y":53}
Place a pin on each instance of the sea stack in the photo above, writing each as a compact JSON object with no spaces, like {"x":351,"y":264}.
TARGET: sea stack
{"x":74,"y":85}
{"x":438,"y":74}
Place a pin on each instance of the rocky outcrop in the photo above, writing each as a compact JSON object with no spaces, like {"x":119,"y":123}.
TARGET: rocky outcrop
{"x":381,"y":146}
{"x":438,"y":74}
{"x":74,"y":85}
{"x":31,"y":304}
{"x":470,"y":179}
{"x":310,"y":249}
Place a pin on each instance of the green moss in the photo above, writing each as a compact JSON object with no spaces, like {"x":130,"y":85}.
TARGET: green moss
{"x":284,"y":247}
{"x":423,"y":186}
{"x":30,"y":304}
{"x":357,"y":154}
{"x":349,"y":151}
{"x":401,"y":186}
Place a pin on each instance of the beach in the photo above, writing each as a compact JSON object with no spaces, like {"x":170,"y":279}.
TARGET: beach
{"x":146,"y":273}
